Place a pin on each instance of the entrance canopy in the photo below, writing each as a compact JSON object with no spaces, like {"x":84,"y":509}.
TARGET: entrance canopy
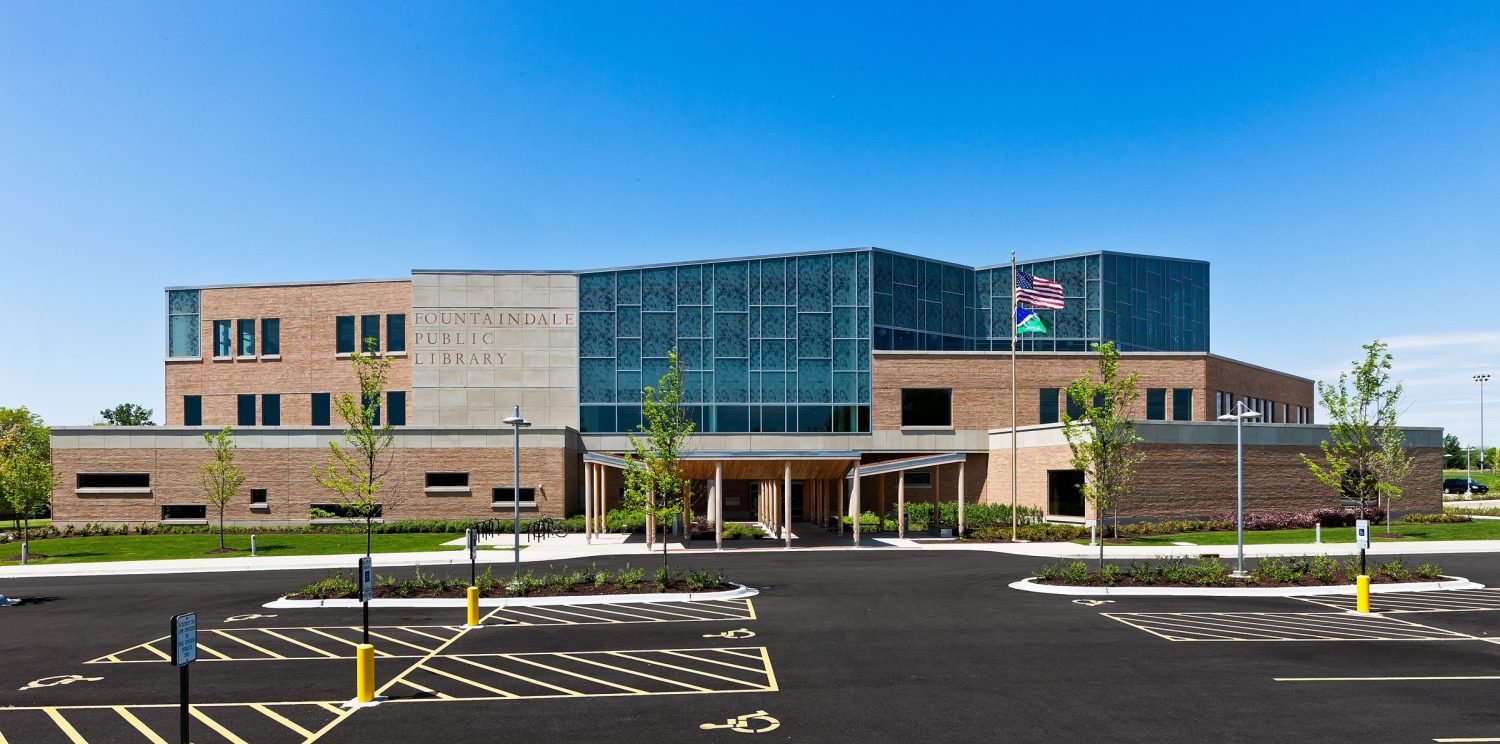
{"x":753,"y":465}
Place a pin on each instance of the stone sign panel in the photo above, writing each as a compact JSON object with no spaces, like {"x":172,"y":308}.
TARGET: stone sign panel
{"x":483,"y":343}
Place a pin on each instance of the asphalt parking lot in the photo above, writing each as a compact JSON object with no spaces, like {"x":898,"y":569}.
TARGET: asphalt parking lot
{"x":838,"y":646}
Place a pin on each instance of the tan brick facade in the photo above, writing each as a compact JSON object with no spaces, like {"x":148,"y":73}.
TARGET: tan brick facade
{"x":308,"y":362}
{"x":981,"y":383}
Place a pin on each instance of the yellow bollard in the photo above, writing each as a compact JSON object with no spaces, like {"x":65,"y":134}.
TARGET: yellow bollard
{"x":473,"y":606}
{"x":364,"y":656}
{"x":1362,"y":584}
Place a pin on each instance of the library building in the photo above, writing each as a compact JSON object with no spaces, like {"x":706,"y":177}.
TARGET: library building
{"x":821,"y":384}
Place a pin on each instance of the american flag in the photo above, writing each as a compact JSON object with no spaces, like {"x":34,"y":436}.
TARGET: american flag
{"x":1038,"y":292}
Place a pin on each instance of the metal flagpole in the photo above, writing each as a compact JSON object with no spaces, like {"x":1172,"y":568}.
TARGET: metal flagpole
{"x":1013,"y":519}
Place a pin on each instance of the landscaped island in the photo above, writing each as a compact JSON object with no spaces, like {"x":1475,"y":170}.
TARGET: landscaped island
{"x":1317,"y":570}
{"x":567,"y":582}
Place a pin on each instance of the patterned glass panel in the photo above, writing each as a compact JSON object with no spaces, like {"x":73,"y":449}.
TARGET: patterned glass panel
{"x":773,"y":354}
{"x":773,"y":387}
{"x":731,"y":381}
{"x":813,"y":283}
{"x":628,"y":321}
{"x":629,"y":288}
{"x":772,"y":322}
{"x":659,"y":288}
{"x":628,"y":387}
{"x":729,"y":286}
{"x":731,"y":335}
{"x":883,"y":277}
{"x":814,"y":381}
{"x":182,"y":302}
{"x":658,"y":334}
{"x":596,"y":292}
{"x":814,"y":337}
{"x":690,"y":351}
{"x":845,"y":386}
{"x":182,"y":336}
{"x":628,"y":353}
{"x":844,"y":280}
{"x":690,"y":285}
{"x":689,"y":322}
{"x":596,"y":334}
{"x":597,"y":380}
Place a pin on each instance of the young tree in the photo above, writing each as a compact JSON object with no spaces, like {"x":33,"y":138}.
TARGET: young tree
{"x":26,"y":475}
{"x":1363,"y":456}
{"x":356,"y":470}
{"x":220,"y":478}
{"x":1103,"y":438}
{"x":653,"y":476}
{"x":1453,"y":453}
{"x":127,"y":414}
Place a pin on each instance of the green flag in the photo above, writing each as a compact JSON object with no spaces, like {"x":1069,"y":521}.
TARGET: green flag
{"x":1027,"y":321}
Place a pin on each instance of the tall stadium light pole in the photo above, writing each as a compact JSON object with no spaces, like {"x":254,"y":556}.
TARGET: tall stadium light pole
{"x":1481,"y":380}
{"x":516,"y":423}
{"x":1243,"y":412}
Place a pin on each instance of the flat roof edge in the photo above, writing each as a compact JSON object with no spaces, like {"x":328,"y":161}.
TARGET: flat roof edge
{"x":253,"y":285}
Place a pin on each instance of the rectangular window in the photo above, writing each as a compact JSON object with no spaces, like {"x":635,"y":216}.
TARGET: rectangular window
{"x":270,"y":410}
{"x":257,"y":496}
{"x":1286,"y":413}
{"x":270,"y":337}
{"x":1156,"y":404}
{"x":246,"y":337}
{"x":374,"y":403}
{"x":369,"y":333}
{"x":1182,"y":404}
{"x":1047,"y":406}
{"x":182,"y":323}
{"x":395,"y":405}
{"x":246,"y":411}
{"x":223,"y":339}
{"x":926,"y":406}
{"x":344,"y":334}
{"x":184,"y":512}
{"x":447,"y":482}
{"x":192,"y":410}
{"x":505,"y":495}
{"x":917,"y":478}
{"x":114,"y":480}
{"x":321,"y":403}
{"x":395,"y":332}
{"x":344,"y":511}
{"x":1075,"y":411}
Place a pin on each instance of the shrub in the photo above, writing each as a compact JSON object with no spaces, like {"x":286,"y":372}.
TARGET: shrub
{"x":1109,"y":574}
{"x":1395,"y":569}
{"x":629,"y":578}
{"x":1048,"y":532}
{"x":700,"y":580}
{"x":335,"y":586}
{"x":1323,"y":568}
{"x":1048,"y":572}
{"x":1430,"y":571}
{"x":1209,"y":572}
{"x":664,"y":577}
{"x":1276,"y":571}
{"x":1445,"y":518}
{"x":1077,"y":572}
{"x":1143,"y":572}
{"x":738,"y":530}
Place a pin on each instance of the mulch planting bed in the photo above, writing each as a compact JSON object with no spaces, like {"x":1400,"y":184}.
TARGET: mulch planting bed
{"x":459,"y":592}
{"x":1343,"y":580}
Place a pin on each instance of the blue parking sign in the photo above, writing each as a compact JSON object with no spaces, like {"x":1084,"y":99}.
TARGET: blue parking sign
{"x":184,"y":638}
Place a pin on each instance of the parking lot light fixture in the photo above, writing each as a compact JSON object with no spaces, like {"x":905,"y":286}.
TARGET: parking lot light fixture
{"x":1481,"y":379}
{"x":1242,"y":412}
{"x":516,"y":423}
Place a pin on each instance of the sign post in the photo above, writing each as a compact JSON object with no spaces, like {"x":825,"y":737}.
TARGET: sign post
{"x":1362,"y":540}
{"x":366,"y":589}
{"x":184,"y":652}
{"x":471,"y":536}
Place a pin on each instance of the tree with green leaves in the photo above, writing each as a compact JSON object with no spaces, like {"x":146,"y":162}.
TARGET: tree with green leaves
{"x":357,"y":469}
{"x":1453,"y":453}
{"x":1364,"y":456}
{"x":127,"y":414}
{"x":653,"y":473}
{"x":1102,"y":438}
{"x":219,"y":477}
{"x":26,"y":475}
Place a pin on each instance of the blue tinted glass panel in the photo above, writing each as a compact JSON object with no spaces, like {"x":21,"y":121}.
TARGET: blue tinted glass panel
{"x":596,"y":292}
{"x":772,"y":419}
{"x":731,"y":381}
{"x":689,"y":285}
{"x":270,"y":336}
{"x":731,"y":334}
{"x":395,"y":333}
{"x":596,"y":334}
{"x":844,"y":278}
{"x":814,"y":419}
{"x":182,"y":336}
{"x":658,"y":334}
{"x":773,"y":387}
{"x":690,"y":351}
{"x":344,"y":334}
{"x":321,"y":405}
{"x":628,"y":387}
{"x":659,"y":287}
{"x":628,"y":353}
{"x":369,"y":333}
{"x":270,"y":410}
{"x":628,"y":321}
{"x":596,"y":419}
{"x":628,"y":287}
{"x":689,"y":322}
{"x":629,"y":418}
{"x":772,"y":322}
{"x":732,"y":419}
{"x":814,"y":381}
{"x":729,"y":286}
{"x":223,"y":338}
{"x":813,"y":283}
{"x":192,"y":410}
{"x":596,"y":380}
{"x":245,"y":410}
{"x":814,"y":336}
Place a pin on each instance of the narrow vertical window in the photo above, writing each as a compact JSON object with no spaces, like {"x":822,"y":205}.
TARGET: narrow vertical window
{"x":321,"y":403}
{"x":182,"y":323}
{"x":1047,"y":406}
{"x":395,"y":332}
{"x":372,"y":402}
{"x":369,"y":333}
{"x":247,"y":337}
{"x":1182,"y":404}
{"x":223,"y":339}
{"x":192,"y":410}
{"x":1156,"y":404}
{"x":395,"y":404}
{"x":270,"y":410}
{"x":344,"y":334}
{"x":270,"y":337}
{"x":246,"y":411}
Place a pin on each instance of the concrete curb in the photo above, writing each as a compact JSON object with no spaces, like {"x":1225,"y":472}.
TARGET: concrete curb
{"x":1030,"y":585}
{"x":739,"y":592}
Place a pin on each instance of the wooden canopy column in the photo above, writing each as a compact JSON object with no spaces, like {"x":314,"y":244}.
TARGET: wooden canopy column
{"x":718,"y":505}
{"x":786,"y":496}
{"x":854,"y":504}
{"x":588,"y":502}
{"x":961,"y":463}
{"x":900,"y":505}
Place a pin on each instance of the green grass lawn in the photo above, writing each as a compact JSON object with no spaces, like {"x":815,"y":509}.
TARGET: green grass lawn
{"x":1486,"y":529}
{"x":158,"y":547}
{"x":16,"y":525}
{"x":1488,"y":477}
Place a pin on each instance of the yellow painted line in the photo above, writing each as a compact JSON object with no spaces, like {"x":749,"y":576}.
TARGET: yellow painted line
{"x":550,"y":620}
{"x":2,"y":739}
{"x":152,"y":647}
{"x":142,"y":706}
{"x":237,"y":639}
{"x":384,"y":637}
{"x":428,"y":690}
{"x":331,"y":708}
{"x":215,"y":653}
{"x":67,"y":728}
{"x":211,"y":723}
{"x":141,"y":727}
{"x":283,"y":720}
{"x":643,"y":618}
{"x":595,"y":618}
{"x":296,"y":642}
{"x":521,"y":677}
{"x":724,"y":612}
{"x":685,"y":669}
{"x":757,"y":670}
{"x":465,"y":680}
{"x":765,"y":657}
{"x":1383,"y":679}
{"x":420,"y":633}
{"x":606,"y":683}
{"x":751,"y":607}
{"x":638,"y":674}
{"x":378,"y":652}
{"x":1443,"y":740}
{"x":733,"y":652}
{"x":685,"y":615}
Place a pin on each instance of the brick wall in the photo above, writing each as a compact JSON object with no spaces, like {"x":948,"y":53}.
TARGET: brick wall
{"x":308,"y":363}
{"x":981,"y":383}
{"x":286,"y":473}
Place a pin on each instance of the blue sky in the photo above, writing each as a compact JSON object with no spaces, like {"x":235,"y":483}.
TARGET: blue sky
{"x":1337,"y":163}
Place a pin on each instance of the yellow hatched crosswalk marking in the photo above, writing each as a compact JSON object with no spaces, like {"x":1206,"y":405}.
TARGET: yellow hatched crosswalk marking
{"x":237,"y":639}
{"x":616,"y":611}
{"x":345,"y":641}
{"x":153,"y":649}
{"x":685,"y":669}
{"x":465,"y":680}
{"x":385,"y":637}
{"x":211,"y":723}
{"x":296,"y":642}
{"x":439,"y":639}
{"x":576,"y":674}
{"x":632,"y":671}
{"x":139,"y":726}
{"x":533,"y":612}
{"x":281,"y":719}
{"x":428,"y":690}
{"x":496,"y":670}
{"x":67,"y":728}
{"x":202,"y":647}
{"x":594,"y":618}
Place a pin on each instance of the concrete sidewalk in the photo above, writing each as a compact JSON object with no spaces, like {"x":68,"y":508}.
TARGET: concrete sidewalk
{"x":573,"y":547}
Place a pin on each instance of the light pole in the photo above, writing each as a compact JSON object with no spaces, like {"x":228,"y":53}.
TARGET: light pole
{"x":1243,"y":412}
{"x":1481,"y":380}
{"x":516,"y":423}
